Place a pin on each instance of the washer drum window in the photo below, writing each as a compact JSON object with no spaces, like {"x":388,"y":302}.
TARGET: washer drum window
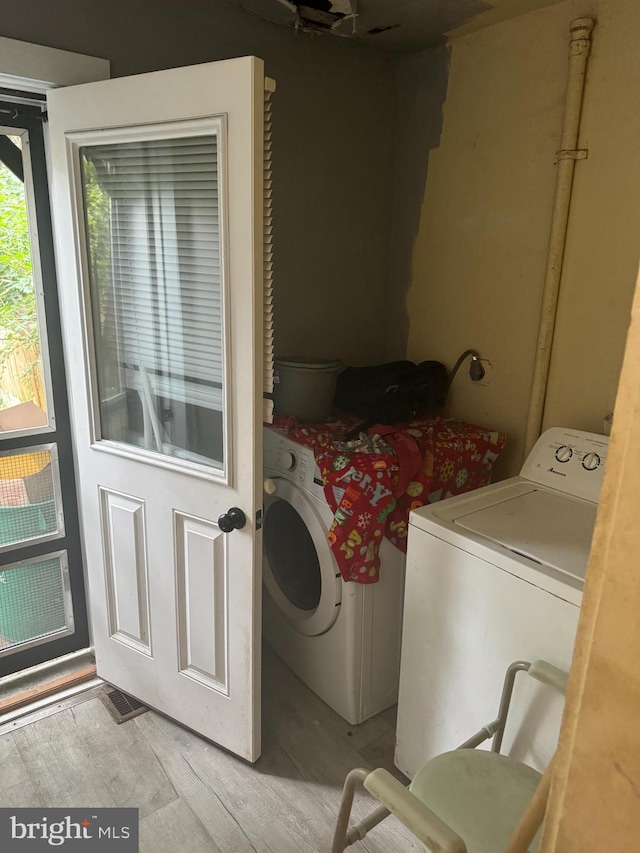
{"x":292,"y":556}
{"x":299,"y":571}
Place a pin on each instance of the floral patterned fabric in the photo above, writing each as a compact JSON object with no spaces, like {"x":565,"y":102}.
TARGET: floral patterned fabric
{"x":372,"y":482}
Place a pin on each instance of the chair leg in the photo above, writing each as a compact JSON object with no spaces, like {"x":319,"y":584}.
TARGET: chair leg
{"x":340,"y":840}
{"x":505,"y":700}
{"x":357,"y":831}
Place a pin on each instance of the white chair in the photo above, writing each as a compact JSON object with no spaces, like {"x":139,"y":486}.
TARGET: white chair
{"x":465,"y":801}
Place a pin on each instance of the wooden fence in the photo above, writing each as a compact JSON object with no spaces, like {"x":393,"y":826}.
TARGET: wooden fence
{"x":22,"y":376}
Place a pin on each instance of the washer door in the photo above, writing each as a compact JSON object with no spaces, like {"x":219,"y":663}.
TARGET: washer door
{"x":298,"y":568}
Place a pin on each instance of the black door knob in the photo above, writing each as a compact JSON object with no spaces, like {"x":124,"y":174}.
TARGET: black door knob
{"x":235,"y":519}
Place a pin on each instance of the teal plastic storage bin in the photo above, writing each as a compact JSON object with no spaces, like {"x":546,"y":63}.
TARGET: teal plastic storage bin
{"x":22,"y":523}
{"x":31,"y":594}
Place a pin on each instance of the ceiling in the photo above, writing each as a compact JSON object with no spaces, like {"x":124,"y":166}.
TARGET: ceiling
{"x":402,"y":25}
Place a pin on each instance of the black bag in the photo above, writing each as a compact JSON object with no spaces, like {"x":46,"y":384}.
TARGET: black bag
{"x":392,"y":393}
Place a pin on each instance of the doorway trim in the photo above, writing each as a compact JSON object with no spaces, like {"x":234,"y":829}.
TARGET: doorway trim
{"x":36,"y":68}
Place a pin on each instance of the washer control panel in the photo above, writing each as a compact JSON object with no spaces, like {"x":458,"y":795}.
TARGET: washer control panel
{"x":571,"y":461}
{"x":289,"y":458}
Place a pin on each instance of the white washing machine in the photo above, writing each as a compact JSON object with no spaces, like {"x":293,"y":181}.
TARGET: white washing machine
{"x":495,"y":576}
{"x":342,"y":639}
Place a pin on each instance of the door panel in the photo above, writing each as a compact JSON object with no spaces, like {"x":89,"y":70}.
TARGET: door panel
{"x":158,"y":185}
{"x":126,"y":569}
{"x":42,"y":605}
{"x":202,"y":573}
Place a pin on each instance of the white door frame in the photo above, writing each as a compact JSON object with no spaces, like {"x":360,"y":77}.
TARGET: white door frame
{"x":35,"y":68}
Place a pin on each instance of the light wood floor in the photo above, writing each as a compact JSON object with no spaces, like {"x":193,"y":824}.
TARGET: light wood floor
{"x":194,"y":797}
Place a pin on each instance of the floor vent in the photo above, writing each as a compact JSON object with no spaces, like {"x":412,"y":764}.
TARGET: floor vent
{"x":120,"y":706}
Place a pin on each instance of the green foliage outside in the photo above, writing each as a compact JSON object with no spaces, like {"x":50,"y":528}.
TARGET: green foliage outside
{"x":18,"y":311}
{"x":97,"y":207}
{"x":18,"y":317}
{"x":98,"y":221}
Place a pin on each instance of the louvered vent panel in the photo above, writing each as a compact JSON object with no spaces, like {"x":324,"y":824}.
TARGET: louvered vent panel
{"x":268,"y":264}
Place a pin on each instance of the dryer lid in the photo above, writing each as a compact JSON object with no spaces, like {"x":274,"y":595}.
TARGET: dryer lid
{"x":544,"y":526}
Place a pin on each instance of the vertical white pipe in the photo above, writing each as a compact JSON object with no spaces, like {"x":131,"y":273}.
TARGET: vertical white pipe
{"x":580,"y":43}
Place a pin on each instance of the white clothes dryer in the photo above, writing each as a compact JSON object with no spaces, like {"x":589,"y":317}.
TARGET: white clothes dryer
{"x":341,"y":639}
{"x":495,"y":576}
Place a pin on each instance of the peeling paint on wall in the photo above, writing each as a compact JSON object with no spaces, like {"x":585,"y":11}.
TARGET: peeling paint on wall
{"x":421,"y":81}
{"x":409,"y":26}
{"x":321,"y":16}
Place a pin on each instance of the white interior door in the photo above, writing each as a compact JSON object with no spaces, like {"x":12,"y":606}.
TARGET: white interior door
{"x":157,"y":190}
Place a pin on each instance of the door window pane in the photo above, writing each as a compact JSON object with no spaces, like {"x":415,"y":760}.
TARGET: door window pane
{"x":153,"y":233}
{"x":23,"y":403}
{"x":30,"y":508}
{"x":34,"y":601}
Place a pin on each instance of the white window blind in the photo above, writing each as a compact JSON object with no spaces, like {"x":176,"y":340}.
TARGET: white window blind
{"x":161,"y":309}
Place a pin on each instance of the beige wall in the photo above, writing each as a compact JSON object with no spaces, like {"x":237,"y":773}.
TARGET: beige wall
{"x":479,"y":257}
{"x":333,"y":142}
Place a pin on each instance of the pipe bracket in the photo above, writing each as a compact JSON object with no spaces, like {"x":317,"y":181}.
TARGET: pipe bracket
{"x":572,"y":154}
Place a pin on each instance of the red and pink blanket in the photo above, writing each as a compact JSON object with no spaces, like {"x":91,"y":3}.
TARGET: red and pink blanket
{"x":373,"y":481}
